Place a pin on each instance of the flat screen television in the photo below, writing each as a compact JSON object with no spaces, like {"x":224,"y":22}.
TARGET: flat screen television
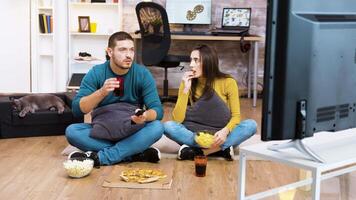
{"x":310,"y":68}
{"x":188,"y":12}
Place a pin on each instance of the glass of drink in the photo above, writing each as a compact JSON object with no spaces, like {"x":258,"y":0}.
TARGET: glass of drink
{"x":120,"y":90}
{"x":200,"y":165}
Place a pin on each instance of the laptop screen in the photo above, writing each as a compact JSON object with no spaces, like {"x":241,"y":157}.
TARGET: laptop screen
{"x":236,"y":18}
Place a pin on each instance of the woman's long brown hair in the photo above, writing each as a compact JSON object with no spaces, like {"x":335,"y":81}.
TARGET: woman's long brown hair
{"x":210,"y":70}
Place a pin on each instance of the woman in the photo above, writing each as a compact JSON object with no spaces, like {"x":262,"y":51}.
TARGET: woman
{"x":214,"y":107}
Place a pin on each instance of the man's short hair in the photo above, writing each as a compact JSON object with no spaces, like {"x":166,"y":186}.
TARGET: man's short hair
{"x":118,"y":36}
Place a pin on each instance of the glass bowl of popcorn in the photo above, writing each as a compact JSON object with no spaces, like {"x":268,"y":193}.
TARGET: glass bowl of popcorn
{"x":78,"y":168}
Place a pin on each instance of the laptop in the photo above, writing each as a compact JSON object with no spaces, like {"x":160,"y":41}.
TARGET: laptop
{"x":75,"y":81}
{"x":235,"y":21}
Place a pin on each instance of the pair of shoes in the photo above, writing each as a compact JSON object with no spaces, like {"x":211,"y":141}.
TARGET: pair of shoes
{"x":228,"y":154}
{"x":151,"y":154}
{"x":188,"y":153}
{"x":84,"y":54}
{"x":77,"y":155}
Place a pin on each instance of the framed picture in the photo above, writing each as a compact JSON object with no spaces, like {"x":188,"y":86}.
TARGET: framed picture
{"x":84,"y":23}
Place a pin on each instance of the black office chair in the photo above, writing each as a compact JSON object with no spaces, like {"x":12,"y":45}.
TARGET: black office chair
{"x":156,"y":41}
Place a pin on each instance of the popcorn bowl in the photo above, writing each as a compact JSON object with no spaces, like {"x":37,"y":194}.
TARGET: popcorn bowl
{"x":78,"y":168}
{"x":204,"y":138}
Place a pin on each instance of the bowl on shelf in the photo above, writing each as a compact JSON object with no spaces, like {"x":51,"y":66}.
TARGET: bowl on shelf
{"x":78,"y":168}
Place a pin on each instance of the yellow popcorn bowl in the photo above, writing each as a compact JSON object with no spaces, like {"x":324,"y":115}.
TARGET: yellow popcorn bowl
{"x":204,"y":138}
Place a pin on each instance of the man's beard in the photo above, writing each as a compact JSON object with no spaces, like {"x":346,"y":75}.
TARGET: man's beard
{"x":120,"y":66}
{"x":123,"y":67}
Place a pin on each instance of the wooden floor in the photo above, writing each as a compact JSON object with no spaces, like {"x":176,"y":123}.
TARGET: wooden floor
{"x":31,"y":168}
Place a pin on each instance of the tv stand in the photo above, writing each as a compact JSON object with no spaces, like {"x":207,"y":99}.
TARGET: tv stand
{"x":337,"y":148}
{"x":299,"y":146}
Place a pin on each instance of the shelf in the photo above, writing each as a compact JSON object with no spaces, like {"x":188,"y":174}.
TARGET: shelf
{"x":45,"y":34}
{"x":45,"y":8}
{"x":95,"y":4}
{"x":46,"y":55}
{"x":89,"y":34}
{"x":92,"y":62}
{"x":108,"y":17}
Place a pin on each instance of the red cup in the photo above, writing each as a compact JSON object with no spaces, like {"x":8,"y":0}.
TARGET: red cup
{"x":120,"y":90}
{"x":200,"y":165}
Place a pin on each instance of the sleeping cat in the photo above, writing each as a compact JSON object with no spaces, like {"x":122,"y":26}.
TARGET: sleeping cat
{"x":33,"y":102}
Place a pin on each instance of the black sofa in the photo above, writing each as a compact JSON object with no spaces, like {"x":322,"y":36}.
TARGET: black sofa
{"x":41,"y":123}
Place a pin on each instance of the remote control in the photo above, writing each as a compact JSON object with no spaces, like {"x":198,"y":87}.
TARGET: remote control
{"x":139,"y":112}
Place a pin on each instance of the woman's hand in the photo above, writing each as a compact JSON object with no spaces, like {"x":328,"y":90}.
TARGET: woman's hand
{"x":187,"y":78}
{"x":109,"y":86}
{"x":220,"y":137}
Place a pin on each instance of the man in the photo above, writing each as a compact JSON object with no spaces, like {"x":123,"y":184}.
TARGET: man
{"x":97,"y":90}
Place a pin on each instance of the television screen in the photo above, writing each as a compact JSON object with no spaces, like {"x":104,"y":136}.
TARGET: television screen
{"x":189,"y":11}
{"x":310,"y":68}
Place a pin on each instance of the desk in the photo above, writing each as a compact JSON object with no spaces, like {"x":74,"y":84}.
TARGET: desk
{"x":253,"y":54}
{"x":338,"y":149}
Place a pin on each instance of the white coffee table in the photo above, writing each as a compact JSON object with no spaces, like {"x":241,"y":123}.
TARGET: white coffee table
{"x":338,"y":149}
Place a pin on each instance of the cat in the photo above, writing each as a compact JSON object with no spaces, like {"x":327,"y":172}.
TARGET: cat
{"x":31,"y":103}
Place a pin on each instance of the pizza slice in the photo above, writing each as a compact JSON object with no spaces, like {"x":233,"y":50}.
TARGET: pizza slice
{"x":142,"y":175}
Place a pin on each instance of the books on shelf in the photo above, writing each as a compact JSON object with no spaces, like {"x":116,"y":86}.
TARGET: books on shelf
{"x":45,"y":23}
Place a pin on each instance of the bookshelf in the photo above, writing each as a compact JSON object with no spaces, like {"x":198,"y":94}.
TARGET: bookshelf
{"x":42,"y":61}
{"x":108,"y":19}
{"x":53,"y":52}
{"x":49,"y":45}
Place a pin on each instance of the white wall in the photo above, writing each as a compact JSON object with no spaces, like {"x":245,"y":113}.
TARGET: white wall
{"x":15,"y":46}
